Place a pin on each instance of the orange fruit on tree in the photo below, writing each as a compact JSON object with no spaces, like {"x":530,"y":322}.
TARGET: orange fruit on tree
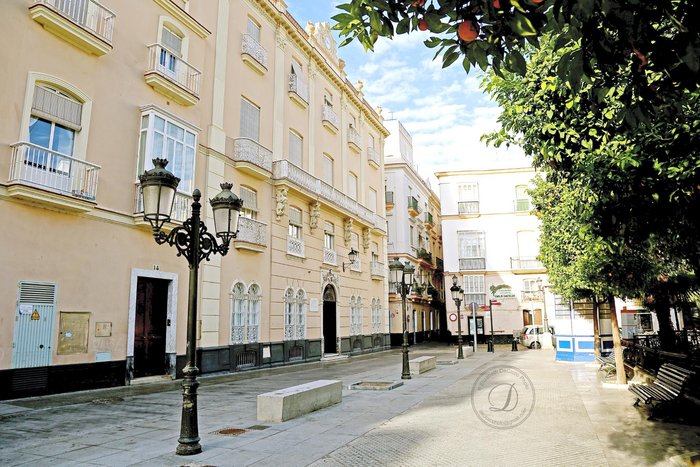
{"x":468,"y":30}
{"x":422,"y":25}
{"x":497,"y":4}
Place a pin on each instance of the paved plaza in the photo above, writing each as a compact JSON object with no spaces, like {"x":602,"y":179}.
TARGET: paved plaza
{"x":566,"y":417}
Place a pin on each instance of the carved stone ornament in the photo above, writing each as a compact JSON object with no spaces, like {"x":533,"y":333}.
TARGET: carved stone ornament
{"x":347,"y":230}
{"x":281,"y":198}
{"x":365,"y":238}
{"x":281,"y":39}
{"x":329,"y":278}
{"x":314,"y":214}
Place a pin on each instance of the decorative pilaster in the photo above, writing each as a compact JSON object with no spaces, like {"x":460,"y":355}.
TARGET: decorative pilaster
{"x":281,"y":88}
{"x":347,"y":230}
{"x":314,"y":215}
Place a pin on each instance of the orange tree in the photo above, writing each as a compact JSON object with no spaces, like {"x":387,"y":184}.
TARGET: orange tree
{"x":658,"y":41}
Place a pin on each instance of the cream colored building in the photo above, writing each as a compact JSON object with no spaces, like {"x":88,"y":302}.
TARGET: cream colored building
{"x":227,"y":90}
{"x":491,"y":242}
{"x":415,"y":237}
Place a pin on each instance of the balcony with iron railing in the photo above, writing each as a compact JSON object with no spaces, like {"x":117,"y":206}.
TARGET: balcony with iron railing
{"x":439,"y":265}
{"x":373,"y":157}
{"x":329,"y":118}
{"x":428,"y":221}
{"x":284,"y":170}
{"x":330,"y":257}
{"x":356,"y":266}
{"x":413,"y":207}
{"x":524,"y":264}
{"x":171,"y":76}
{"x":472,"y":264}
{"x":298,"y":90}
{"x":389,"y":199}
{"x":377,"y":270}
{"x":425,"y":255}
{"x":353,"y":139}
{"x":253,"y":54}
{"x":468,"y":208}
{"x":182,"y":207}
{"x":522,"y":205}
{"x":252,"y":235}
{"x":49,"y":177}
{"x":250,"y":157}
{"x":86,"y":24}
{"x":295,"y":247}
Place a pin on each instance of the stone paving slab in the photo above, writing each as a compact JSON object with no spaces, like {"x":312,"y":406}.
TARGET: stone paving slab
{"x":429,"y":421}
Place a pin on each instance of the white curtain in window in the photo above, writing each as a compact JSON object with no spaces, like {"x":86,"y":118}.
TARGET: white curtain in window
{"x":250,"y":120}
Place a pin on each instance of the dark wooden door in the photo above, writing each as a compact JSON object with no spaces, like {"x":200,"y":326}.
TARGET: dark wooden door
{"x":329,"y":321}
{"x":150,"y":325}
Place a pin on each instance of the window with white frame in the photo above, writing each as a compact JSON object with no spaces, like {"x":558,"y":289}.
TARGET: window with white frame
{"x":328,"y":98}
{"x":473,"y":286}
{"x":376,"y":316}
{"x":355,"y":316}
{"x":411,"y":235}
{"x":250,"y":120}
{"x":371,"y":141}
{"x":468,"y":198}
{"x":296,"y":68}
{"x":522,"y":198}
{"x":165,"y":137}
{"x":171,"y":51}
{"x":375,"y":252}
{"x":329,"y":236}
{"x":245,"y":313}
{"x":471,"y":250}
{"x":352,"y":185}
{"x":295,"y":225}
{"x":328,"y":169}
{"x":294,"y":314}
{"x":296,"y":145}
{"x":530,"y":285}
{"x":372,"y":201}
{"x":355,"y":243}
{"x":250,"y":203}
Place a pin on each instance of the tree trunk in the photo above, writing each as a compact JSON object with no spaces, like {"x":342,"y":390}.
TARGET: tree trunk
{"x":667,"y":337}
{"x":617,"y":344}
{"x":596,"y":328}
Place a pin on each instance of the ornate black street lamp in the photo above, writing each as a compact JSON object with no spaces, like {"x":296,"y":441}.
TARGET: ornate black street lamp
{"x":352,"y":256}
{"x":458,"y":296}
{"x":192,"y":241}
{"x":401,"y":277}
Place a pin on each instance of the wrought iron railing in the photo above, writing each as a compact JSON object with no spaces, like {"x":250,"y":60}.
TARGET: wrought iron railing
{"x":329,"y":115}
{"x":353,"y":136}
{"x":468,"y":207}
{"x":252,"y":47}
{"x":249,"y":150}
{"x":251,"y":231}
{"x":298,"y":86}
{"x":377,"y":268}
{"x":88,"y":14}
{"x":372,"y":155}
{"x":524,"y":262}
{"x":169,"y":65}
{"x":470,"y":264}
{"x":330,"y":256}
{"x":284,"y":169}
{"x":356,"y":266}
{"x":295,"y":247}
{"x":36,"y":165}
{"x":429,"y":219}
{"x":389,"y":197}
{"x":413,"y":204}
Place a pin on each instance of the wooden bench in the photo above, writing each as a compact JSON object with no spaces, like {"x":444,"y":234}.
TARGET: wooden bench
{"x":292,"y":402}
{"x":667,"y":387}
{"x":422,"y":364}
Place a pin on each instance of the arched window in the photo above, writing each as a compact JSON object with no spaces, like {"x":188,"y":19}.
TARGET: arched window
{"x":289,"y":310}
{"x":358,"y":311}
{"x":301,"y":314}
{"x":238,"y":312}
{"x":353,"y":317}
{"x":253,"y":322}
{"x":376,"y":316}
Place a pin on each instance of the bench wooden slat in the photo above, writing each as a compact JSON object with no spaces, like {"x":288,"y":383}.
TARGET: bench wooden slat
{"x":667,"y":387}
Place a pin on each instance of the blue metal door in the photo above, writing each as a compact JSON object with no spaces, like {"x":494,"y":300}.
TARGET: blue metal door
{"x":34,"y":321}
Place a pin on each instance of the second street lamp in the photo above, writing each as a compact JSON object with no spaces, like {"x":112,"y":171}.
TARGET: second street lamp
{"x":458,"y":296}
{"x":401,"y":277}
{"x":195,"y":243}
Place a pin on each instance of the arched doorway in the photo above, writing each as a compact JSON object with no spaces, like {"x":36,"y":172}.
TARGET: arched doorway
{"x":330,"y":324}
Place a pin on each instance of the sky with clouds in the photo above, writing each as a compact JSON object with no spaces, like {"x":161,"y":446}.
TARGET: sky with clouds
{"x":444,"y":110}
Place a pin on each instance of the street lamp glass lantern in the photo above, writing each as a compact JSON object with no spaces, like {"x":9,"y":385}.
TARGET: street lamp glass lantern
{"x":460,"y":295}
{"x":352,"y":256}
{"x":454,"y":280}
{"x":158,"y":187}
{"x":408,"y":271}
{"x":395,"y":272}
{"x":227,"y":208}
{"x":539,"y":283}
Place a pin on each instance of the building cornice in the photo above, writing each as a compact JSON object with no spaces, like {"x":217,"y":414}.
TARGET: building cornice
{"x":457,"y":173}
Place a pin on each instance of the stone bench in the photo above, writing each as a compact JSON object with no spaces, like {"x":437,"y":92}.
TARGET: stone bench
{"x":420,"y":365}
{"x":292,"y":402}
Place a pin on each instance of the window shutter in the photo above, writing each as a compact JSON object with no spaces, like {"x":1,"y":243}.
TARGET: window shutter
{"x":250,"y":121}
{"x":296,"y":68}
{"x":329,"y":228}
{"x":295,"y":149}
{"x":295,"y":216}
{"x":250,"y":199}
{"x":171,"y":41}
{"x":253,"y":30}
{"x":53,"y":106}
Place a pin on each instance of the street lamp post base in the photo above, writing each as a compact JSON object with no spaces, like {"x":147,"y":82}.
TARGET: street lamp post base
{"x":188,"y":447}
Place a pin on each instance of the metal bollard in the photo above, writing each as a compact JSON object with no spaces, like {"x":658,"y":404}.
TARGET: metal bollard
{"x":514,"y":348}
{"x":489,"y":347}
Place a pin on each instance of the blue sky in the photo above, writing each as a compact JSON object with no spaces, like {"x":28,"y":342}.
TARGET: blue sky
{"x":443,"y":109}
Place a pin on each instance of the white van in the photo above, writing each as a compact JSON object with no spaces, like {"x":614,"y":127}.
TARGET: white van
{"x":533,"y":336}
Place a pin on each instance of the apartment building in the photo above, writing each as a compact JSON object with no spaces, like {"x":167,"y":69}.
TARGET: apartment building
{"x":415,"y":237}
{"x":491,"y":243}
{"x":233,"y":90}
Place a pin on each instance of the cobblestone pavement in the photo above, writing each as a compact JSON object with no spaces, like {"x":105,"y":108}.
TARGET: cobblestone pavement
{"x":430,"y":420}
